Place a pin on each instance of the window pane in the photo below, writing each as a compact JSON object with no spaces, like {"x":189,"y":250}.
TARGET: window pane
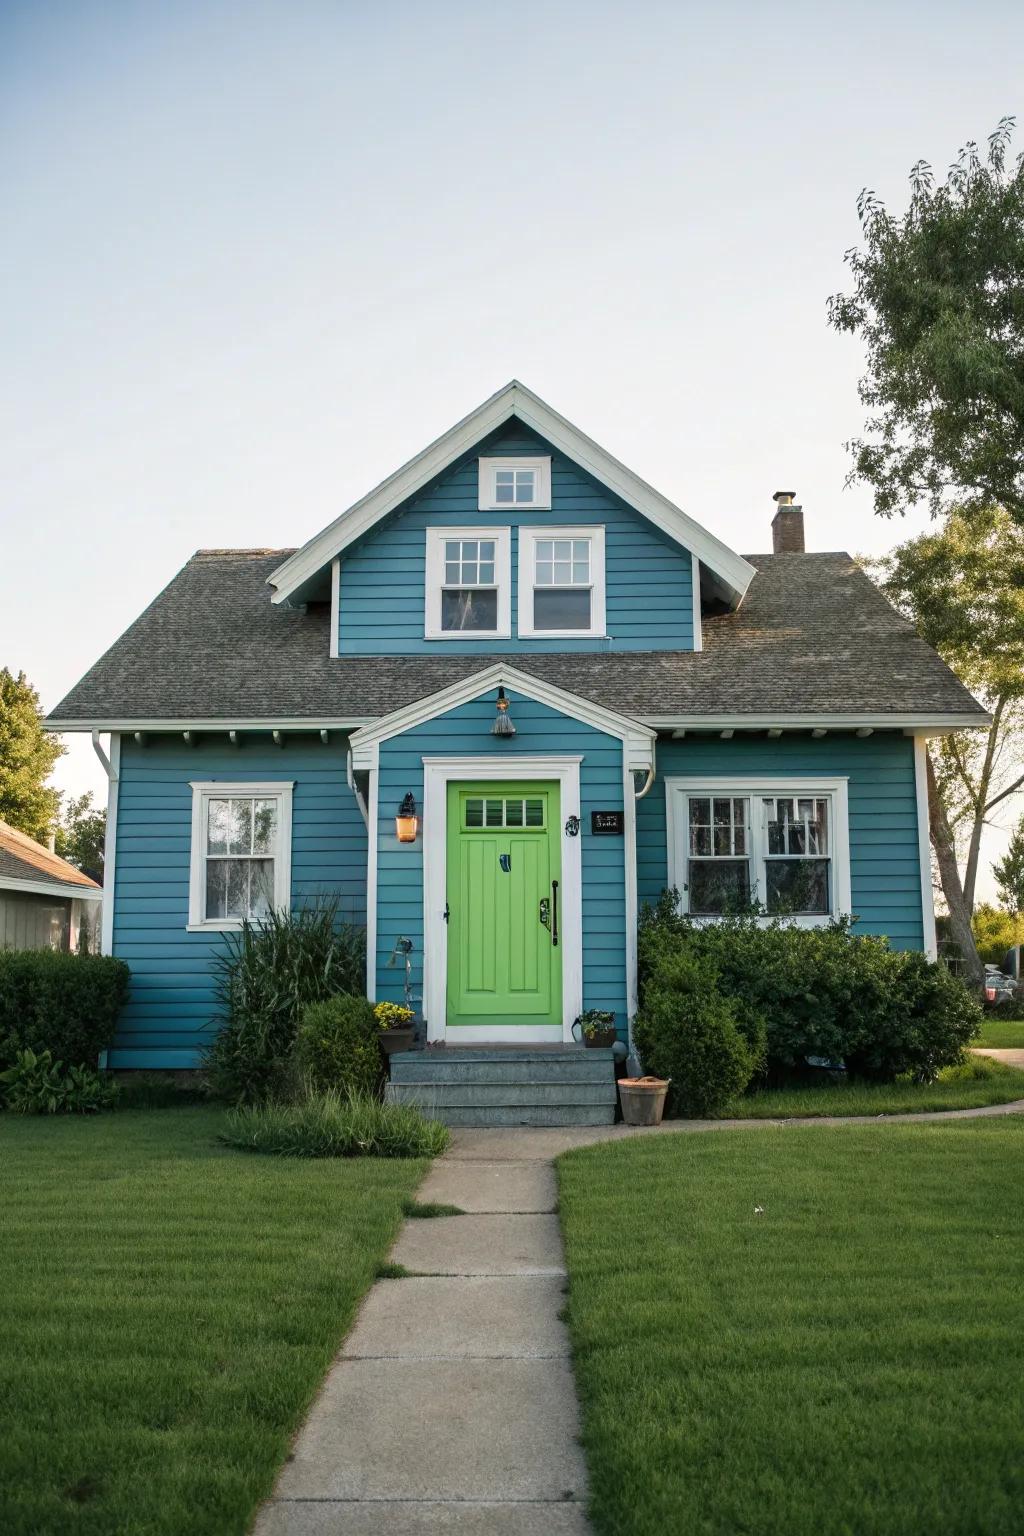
{"x":535,"y":813}
{"x":797,"y":886}
{"x":504,"y":476}
{"x":504,"y":490}
{"x":486,"y":549}
{"x":718,"y":885}
{"x":453,"y":550}
{"x":545,"y":573}
{"x":261,"y":887}
{"x":452,"y":573}
{"x":495,"y":810}
{"x":474,"y":813}
{"x":553,"y":609}
{"x":581,"y":573}
{"x":524,"y":485}
{"x":470,"y":611}
{"x":229,"y":826}
{"x":563,"y":573}
{"x":797,"y":826}
{"x":227,"y":887}
{"x":264,"y":826}
{"x":485,"y":576}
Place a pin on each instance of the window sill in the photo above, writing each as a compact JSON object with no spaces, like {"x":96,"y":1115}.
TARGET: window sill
{"x":467,"y":634}
{"x":216,"y":925}
{"x":794,"y":920}
{"x":563,"y":634}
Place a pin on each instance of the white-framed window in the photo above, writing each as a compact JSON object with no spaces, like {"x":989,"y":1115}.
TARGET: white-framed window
{"x":782,"y":842}
{"x":240,"y":862}
{"x":561,"y":581}
{"x":469,"y":584}
{"x":508,"y":483}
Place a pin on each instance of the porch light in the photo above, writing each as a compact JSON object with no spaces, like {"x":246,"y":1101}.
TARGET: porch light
{"x":502,"y":724}
{"x":407,"y":823}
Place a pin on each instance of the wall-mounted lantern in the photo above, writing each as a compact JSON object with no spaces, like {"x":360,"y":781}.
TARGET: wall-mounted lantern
{"x":407,"y":823}
{"x":502,"y":723}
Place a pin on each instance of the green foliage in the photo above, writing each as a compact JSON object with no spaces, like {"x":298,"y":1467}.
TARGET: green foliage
{"x":823,"y":991}
{"x":68,"y":1004}
{"x":392,"y":1015}
{"x":936,"y":300}
{"x":27,"y":756}
{"x":338,"y":1046}
{"x":38,"y":1085}
{"x":1009,"y":873}
{"x":266,"y":975}
{"x":332,"y":1124}
{"x":996,"y":931}
{"x":80,"y":835}
{"x":686,"y":1030}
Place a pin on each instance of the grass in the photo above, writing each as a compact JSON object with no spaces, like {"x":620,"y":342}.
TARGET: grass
{"x":170,"y":1309}
{"x":1005,"y":1033}
{"x":978,"y":1082}
{"x":331,"y":1124}
{"x":805,"y":1331}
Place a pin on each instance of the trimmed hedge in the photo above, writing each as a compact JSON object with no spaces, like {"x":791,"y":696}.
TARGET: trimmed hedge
{"x":65,"y":1004}
{"x":338,"y":1047}
{"x":688,"y":1032}
{"x":824,"y":991}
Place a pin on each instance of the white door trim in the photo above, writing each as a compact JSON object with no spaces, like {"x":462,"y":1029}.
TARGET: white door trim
{"x":437,"y":773}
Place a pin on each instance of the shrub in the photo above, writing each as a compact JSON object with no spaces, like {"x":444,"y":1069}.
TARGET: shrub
{"x":331,"y":1124}
{"x":38,"y":1085}
{"x":266,"y":975}
{"x":337,"y":1046}
{"x":687,"y":1031}
{"x":823,"y":991}
{"x":65,"y":1004}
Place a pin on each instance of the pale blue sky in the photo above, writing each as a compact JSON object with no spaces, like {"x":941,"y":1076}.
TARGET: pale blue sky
{"x":256,"y":255}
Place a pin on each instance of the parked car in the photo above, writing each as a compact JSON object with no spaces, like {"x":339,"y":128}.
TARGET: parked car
{"x":999,"y":988}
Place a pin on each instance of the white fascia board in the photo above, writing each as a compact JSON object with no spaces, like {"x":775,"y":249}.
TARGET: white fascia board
{"x":281,"y":723}
{"x":933,"y":724}
{"x":637,"y":737}
{"x":518,"y":401}
{"x":51,"y":888}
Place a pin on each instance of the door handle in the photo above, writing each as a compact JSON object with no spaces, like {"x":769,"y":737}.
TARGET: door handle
{"x":544,"y":913}
{"x":554,"y":913}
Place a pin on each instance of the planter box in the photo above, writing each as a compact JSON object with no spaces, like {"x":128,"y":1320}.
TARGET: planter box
{"x":394,"y":1040}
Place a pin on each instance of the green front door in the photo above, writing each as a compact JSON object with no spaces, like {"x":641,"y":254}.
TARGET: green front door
{"x":504,"y":907}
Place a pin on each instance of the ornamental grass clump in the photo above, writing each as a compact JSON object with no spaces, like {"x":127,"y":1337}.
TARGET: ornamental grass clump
{"x":332,"y":1124}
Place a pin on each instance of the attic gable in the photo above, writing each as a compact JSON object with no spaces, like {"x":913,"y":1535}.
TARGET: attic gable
{"x":298,"y":577}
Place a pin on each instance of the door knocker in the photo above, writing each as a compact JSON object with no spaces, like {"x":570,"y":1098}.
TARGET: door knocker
{"x":572,"y":827}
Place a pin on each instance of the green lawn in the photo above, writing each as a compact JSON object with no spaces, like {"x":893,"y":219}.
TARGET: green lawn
{"x":170,"y":1308}
{"x":849,"y":1361}
{"x":1006,"y":1033}
{"x":978,"y":1082}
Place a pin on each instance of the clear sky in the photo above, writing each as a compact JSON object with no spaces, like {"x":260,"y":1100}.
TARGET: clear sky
{"x":255,"y":255}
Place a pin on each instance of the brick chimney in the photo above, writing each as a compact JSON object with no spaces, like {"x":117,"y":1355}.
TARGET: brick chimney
{"x":787,"y":525}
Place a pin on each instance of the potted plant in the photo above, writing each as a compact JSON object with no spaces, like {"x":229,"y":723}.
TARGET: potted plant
{"x":597,"y":1026}
{"x":643,"y":1099}
{"x":396,"y":1027}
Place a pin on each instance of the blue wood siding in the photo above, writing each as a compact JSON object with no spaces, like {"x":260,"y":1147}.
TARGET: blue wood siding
{"x":649,"y":605}
{"x":539,"y":730}
{"x":169,"y":1015}
{"x":884,"y":862}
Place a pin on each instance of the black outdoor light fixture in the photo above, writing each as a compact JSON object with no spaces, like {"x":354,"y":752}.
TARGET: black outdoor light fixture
{"x":407,"y":823}
{"x":502,"y":724}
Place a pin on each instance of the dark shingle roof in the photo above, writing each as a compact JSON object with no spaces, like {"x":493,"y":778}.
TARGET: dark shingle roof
{"x":813,"y":636}
{"x":22,"y":858}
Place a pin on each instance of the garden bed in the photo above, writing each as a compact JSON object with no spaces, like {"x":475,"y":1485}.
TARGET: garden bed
{"x":979,"y":1082}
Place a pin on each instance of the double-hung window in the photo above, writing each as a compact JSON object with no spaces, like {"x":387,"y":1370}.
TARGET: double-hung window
{"x":780,"y":843}
{"x":507,"y":483}
{"x":468,"y":583}
{"x":241,"y":853}
{"x":561,"y":581}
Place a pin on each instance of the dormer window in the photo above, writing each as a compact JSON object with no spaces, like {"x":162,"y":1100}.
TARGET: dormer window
{"x":561,"y":582}
{"x":509,"y":483}
{"x":469,"y":581}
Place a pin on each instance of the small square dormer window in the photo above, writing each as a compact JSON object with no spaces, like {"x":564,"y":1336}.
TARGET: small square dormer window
{"x":509,"y":483}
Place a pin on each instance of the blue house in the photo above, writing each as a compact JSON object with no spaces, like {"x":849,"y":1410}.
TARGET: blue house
{"x":500,"y":702}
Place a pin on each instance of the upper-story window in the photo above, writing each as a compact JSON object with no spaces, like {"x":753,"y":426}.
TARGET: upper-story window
{"x":468,"y":584}
{"x":508,"y":483}
{"x":561,"y":582}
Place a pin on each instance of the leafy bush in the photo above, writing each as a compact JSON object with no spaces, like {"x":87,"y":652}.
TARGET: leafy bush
{"x":687,"y":1031}
{"x":65,"y":1004}
{"x":337,"y":1046}
{"x":995,"y":932}
{"x":266,"y":975}
{"x":332,"y":1124}
{"x":38,"y":1085}
{"x":824,"y":991}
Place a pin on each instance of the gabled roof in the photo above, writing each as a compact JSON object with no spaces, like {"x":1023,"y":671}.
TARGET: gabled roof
{"x":26,"y":865}
{"x":293,"y":577}
{"x":815,"y":642}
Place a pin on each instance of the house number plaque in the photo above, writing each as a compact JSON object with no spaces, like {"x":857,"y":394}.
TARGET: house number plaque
{"x":607,"y":823}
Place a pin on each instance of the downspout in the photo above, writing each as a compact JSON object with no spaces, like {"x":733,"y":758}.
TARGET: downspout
{"x":638,"y":794}
{"x":111,"y":767}
{"x":354,"y":787}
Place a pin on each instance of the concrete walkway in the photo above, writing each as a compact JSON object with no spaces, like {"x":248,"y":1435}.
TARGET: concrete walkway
{"x":1013,"y":1056}
{"x":452,"y":1406}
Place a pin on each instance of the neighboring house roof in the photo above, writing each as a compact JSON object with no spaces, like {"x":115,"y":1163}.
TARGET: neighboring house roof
{"x":814,"y":641}
{"x":26,"y":865}
{"x":296,"y":576}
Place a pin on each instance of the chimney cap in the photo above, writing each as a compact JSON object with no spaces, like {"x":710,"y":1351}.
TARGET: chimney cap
{"x":783,"y":498}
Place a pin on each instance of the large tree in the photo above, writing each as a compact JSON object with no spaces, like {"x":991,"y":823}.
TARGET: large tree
{"x":27,"y":756}
{"x":81,"y":833}
{"x":963,"y":588}
{"x":938,"y":300}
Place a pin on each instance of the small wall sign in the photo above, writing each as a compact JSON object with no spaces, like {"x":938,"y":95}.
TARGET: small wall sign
{"x":607,"y":823}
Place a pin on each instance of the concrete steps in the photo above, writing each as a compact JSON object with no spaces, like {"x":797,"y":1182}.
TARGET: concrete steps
{"x":507,"y":1087}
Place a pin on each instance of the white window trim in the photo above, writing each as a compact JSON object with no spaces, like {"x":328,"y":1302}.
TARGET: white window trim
{"x":212,"y":789}
{"x":677,"y":791}
{"x":542,"y":485}
{"x":527,"y":566}
{"x":502,"y":538}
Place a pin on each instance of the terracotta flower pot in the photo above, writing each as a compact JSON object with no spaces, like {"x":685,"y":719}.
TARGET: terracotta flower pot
{"x":643,"y":1099}
{"x":394,"y":1040}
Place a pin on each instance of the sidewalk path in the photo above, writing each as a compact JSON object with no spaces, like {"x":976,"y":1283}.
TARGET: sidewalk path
{"x":1013,"y":1056}
{"x":451,"y":1407}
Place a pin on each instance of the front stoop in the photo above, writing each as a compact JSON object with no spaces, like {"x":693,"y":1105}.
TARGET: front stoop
{"x":507,"y":1087}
